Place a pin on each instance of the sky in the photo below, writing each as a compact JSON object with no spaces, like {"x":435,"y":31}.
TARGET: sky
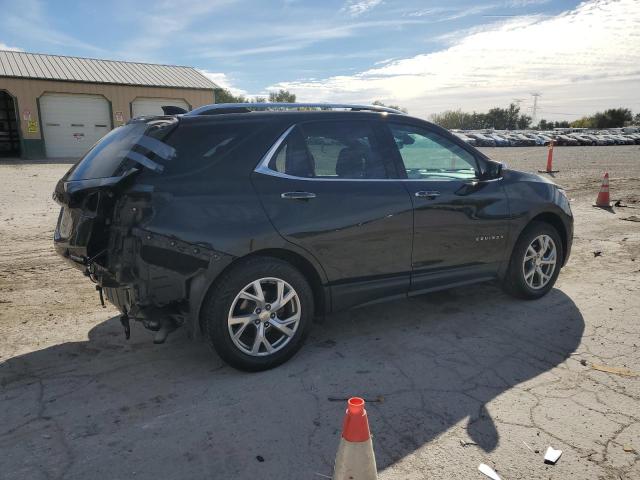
{"x":426,"y":56}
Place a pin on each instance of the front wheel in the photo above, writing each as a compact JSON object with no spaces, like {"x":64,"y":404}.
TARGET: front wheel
{"x":535,"y":262}
{"x":258,"y":314}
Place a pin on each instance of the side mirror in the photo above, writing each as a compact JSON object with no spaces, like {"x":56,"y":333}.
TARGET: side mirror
{"x":493,"y":170}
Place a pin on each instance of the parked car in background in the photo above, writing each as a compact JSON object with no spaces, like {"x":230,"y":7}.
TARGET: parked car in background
{"x":465,"y":138}
{"x":517,"y":141}
{"x":595,"y":139}
{"x":614,"y":139}
{"x":605,"y":140}
{"x":500,"y":141}
{"x":565,"y":141}
{"x":582,"y":140}
{"x":482,"y":140}
{"x":625,"y":140}
{"x":635,"y":137}
{"x":537,"y":138}
{"x":546,"y":138}
{"x":529,"y":142}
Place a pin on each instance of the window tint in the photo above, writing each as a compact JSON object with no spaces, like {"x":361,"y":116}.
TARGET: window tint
{"x":426,"y":154}
{"x":331,"y":150}
{"x":199,"y":146}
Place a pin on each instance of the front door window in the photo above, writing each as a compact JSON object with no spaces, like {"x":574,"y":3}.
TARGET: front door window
{"x":427,"y":155}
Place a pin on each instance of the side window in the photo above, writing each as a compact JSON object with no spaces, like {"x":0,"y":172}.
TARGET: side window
{"x":426,"y":154}
{"x":343,"y":149}
{"x":199,"y":146}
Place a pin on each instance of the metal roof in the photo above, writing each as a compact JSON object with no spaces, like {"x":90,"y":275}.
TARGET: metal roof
{"x":92,"y":70}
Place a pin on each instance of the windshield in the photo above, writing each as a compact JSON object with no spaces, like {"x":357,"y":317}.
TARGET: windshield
{"x":132,"y":145}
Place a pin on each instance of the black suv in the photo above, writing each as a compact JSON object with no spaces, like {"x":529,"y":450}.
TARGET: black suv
{"x":242,"y":222}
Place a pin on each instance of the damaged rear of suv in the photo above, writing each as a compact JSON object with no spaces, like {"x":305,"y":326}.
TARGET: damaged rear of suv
{"x":153,"y":213}
{"x":243,"y":225}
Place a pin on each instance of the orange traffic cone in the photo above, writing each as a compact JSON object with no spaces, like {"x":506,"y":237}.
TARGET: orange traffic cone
{"x":603,"y":200}
{"x":549,"y":161}
{"x":355,"y":459}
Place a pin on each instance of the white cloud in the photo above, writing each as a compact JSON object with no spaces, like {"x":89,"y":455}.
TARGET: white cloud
{"x":594,"y":47}
{"x":223,"y":81}
{"x":4,"y":46}
{"x":358,"y":7}
{"x":27,"y":19}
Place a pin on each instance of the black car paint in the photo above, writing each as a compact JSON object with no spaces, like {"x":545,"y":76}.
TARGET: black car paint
{"x":163,"y":240}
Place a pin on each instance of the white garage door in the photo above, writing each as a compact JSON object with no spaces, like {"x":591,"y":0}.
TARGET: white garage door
{"x":153,"y":106}
{"x":71,"y":124}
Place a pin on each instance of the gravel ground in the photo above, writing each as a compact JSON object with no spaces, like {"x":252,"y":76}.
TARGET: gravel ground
{"x":457,"y":378}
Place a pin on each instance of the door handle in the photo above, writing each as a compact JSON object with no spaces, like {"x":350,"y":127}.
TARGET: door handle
{"x":427,"y":194}
{"x":298,"y":195}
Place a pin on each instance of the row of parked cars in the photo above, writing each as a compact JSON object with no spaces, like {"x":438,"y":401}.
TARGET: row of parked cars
{"x":532,"y":138}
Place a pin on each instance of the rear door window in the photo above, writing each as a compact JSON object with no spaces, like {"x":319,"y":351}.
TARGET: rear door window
{"x":332,"y":150}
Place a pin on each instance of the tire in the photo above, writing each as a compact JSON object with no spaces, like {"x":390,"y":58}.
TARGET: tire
{"x":515,"y":282}
{"x":226,"y":303}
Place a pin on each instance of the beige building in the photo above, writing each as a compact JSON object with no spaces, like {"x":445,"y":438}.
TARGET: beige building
{"x":57,"y":106}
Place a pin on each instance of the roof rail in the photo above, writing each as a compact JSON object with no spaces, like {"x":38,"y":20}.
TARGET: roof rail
{"x":220,"y":108}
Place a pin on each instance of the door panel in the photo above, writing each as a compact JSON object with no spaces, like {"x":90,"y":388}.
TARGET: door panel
{"x":460,"y":234}
{"x":460,"y":222}
{"x":357,"y":227}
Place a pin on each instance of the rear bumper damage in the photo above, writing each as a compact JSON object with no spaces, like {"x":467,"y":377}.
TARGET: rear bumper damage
{"x":156,"y":279}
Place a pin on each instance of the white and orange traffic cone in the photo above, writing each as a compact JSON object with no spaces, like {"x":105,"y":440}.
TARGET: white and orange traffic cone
{"x":549,"y":161}
{"x":355,"y":459}
{"x":603,"y":200}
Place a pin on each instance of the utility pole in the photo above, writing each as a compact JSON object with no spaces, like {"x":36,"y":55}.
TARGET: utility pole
{"x":534,"y":111}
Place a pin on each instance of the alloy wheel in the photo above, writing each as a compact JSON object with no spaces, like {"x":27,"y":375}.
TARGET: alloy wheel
{"x":264,"y":316}
{"x":539,"y":262}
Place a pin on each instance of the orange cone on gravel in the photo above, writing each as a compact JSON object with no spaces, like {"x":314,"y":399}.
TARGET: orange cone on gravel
{"x":355,"y":459}
{"x":603,"y":200}
{"x":549,"y":161}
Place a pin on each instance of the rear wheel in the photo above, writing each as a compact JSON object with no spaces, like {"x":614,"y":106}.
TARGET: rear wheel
{"x":535,"y":262}
{"x":258,"y":314}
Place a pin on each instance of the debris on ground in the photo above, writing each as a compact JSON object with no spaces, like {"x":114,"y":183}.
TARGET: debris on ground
{"x":532,"y":450}
{"x":619,"y":204}
{"x":583,"y":362}
{"x":465,"y":443}
{"x":260,"y":458}
{"x":551,"y":456}
{"x":625,"y":372}
{"x":488,"y":471}
{"x":597,"y":253}
{"x":629,"y":449}
{"x":632,"y":218}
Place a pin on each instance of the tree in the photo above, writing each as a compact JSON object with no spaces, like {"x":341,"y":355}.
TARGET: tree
{"x":544,"y":125}
{"x":612,"y":118}
{"x":636,"y":119}
{"x":497,"y":118}
{"x":395,"y":107}
{"x":524,"y":122}
{"x":282,"y":96}
{"x":223,"y":95}
{"x":451,"y":119}
{"x":584,"y":122}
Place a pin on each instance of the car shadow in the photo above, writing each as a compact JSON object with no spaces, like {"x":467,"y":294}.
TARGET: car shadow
{"x":113,"y":409}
